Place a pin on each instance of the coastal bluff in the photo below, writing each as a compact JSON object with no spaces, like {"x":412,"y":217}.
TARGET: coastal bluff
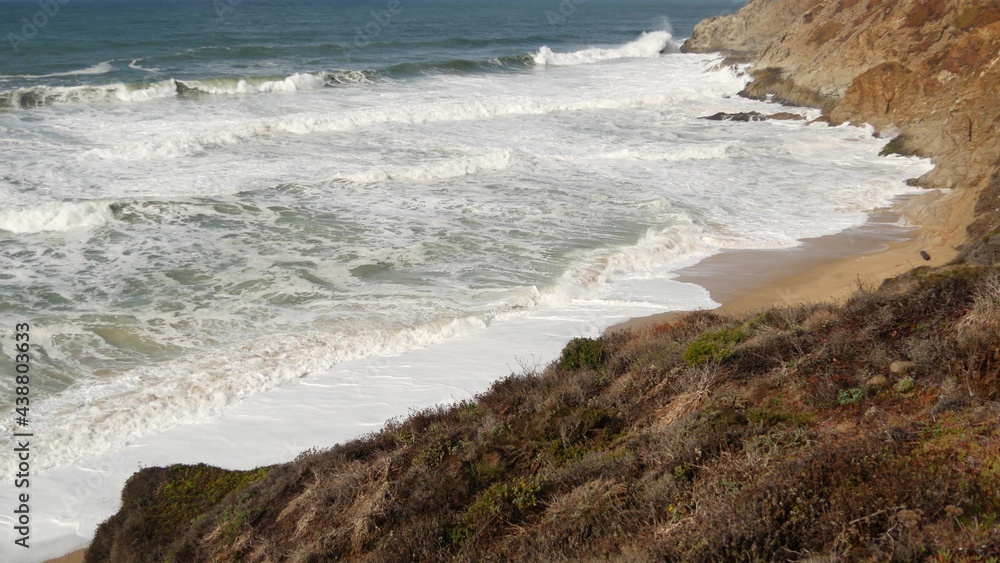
{"x":924,"y":72}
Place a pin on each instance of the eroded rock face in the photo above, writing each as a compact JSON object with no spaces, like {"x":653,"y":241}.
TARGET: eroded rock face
{"x":926,"y":69}
{"x":749,"y":30}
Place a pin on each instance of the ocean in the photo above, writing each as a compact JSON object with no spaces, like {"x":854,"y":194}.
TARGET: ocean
{"x":336,"y":211}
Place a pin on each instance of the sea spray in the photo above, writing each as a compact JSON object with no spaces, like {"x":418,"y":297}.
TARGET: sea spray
{"x":649,"y":44}
{"x":66,"y":216}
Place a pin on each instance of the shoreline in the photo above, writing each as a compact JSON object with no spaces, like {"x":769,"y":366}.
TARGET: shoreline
{"x":828,"y":268}
{"x":825,"y":268}
{"x":72,"y":557}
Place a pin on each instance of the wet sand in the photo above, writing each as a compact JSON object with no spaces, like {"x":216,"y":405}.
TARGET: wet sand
{"x":823,"y":269}
{"x":75,"y":557}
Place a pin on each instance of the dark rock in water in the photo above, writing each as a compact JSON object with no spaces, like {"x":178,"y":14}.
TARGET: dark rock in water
{"x":898,"y":145}
{"x":924,"y":255}
{"x":741,"y":116}
{"x":184,"y":91}
{"x":786,"y":116}
{"x":753,"y":116}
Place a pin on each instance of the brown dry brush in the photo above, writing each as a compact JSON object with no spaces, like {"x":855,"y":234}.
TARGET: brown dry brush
{"x":778,"y":435}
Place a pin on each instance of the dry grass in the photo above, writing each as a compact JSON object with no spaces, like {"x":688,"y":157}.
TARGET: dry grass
{"x":796,"y":443}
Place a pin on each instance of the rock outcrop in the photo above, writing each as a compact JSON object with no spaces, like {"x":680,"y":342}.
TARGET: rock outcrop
{"x":923,"y":71}
{"x":746,"y":116}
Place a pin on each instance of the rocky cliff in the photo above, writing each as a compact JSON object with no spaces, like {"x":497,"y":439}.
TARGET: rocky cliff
{"x":922,"y":71}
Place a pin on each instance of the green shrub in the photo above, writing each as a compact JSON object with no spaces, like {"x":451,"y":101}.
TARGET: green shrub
{"x":500,"y":504}
{"x":905,"y":385}
{"x":714,"y":346}
{"x":582,"y":353}
{"x":850,"y":396}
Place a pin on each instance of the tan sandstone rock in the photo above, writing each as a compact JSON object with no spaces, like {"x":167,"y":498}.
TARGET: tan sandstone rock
{"x":924,"y":71}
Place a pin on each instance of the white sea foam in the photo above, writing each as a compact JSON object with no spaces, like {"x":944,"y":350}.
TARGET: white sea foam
{"x":656,"y":250}
{"x":136,"y":66}
{"x":56,"y":217}
{"x":675,"y":154}
{"x":99,"y":68}
{"x":108,"y":414}
{"x":294,"y":83}
{"x":351,"y":77}
{"x":649,"y":44}
{"x":61,"y":95}
{"x":170,"y":88}
{"x":494,"y":161}
{"x":121,"y":92}
{"x":184,"y":144}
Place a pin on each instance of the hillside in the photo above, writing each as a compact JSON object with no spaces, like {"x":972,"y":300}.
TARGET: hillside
{"x":864,"y":430}
{"x":867,"y":430}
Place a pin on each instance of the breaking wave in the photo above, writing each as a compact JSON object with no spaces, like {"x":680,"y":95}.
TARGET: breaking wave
{"x":649,"y":44}
{"x":56,"y":216}
{"x":44,"y":96}
{"x":651,"y":252}
{"x":495,"y":161}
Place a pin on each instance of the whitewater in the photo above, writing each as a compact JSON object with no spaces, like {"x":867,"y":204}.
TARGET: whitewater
{"x":232,"y":269}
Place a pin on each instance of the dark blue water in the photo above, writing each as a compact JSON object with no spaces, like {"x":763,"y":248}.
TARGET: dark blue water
{"x":147,"y":41}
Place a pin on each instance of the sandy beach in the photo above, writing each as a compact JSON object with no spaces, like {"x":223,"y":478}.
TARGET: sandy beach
{"x":822,"y":269}
{"x":75,"y":557}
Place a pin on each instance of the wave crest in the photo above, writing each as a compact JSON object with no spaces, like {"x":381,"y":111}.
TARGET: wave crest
{"x":57,"y":217}
{"x":44,"y":96}
{"x":649,"y":44}
{"x":658,"y":247}
{"x":495,"y":161}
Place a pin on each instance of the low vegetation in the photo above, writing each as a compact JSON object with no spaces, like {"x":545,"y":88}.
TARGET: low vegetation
{"x":162,"y":503}
{"x":869,"y":430}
